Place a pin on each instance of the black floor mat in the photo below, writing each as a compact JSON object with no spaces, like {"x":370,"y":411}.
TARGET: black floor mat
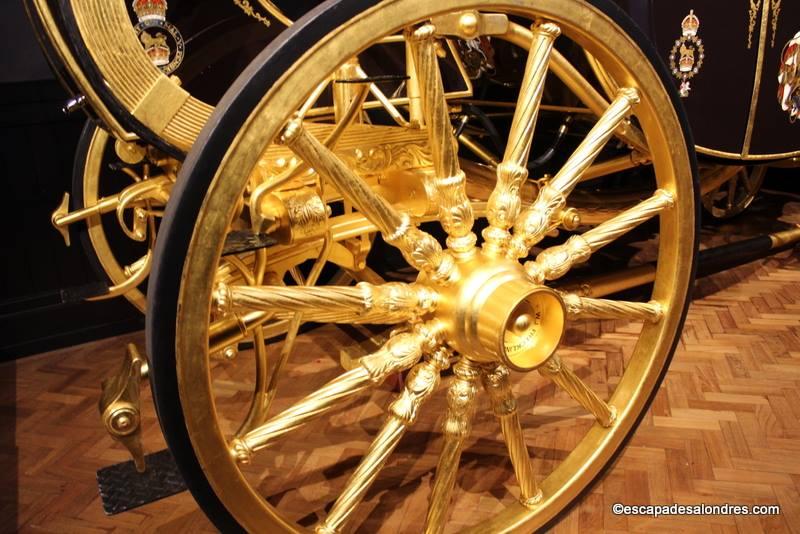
{"x":122,"y":488}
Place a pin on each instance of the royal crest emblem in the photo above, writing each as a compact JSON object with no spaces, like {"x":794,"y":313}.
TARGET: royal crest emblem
{"x":789,"y":78}
{"x":161,"y":40}
{"x":687,"y":54}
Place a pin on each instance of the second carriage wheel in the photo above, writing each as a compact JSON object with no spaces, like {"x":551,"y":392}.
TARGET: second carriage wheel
{"x":736,"y":193}
{"x":100,"y":178}
{"x":488,"y":307}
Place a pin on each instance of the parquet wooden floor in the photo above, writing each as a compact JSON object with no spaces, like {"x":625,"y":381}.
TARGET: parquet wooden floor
{"x":724,"y":428}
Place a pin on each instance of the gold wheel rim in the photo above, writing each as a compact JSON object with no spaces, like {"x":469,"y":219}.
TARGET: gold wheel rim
{"x":676,"y":249}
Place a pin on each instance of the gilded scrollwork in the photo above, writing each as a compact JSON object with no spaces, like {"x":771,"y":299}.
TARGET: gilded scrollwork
{"x":752,"y":16}
{"x":389,"y":156}
{"x":400,"y":352}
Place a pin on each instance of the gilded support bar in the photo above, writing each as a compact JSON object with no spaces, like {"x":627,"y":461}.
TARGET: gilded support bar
{"x":419,"y":248}
{"x":615,"y":165}
{"x":449,"y":182}
{"x":555,"y":370}
{"x":536,"y":221}
{"x":505,"y":202}
{"x":555,"y":262}
{"x":422,"y":381}
{"x":589,"y":308}
{"x":457,"y":426}
{"x":393,"y":302}
{"x":398,"y":354}
{"x":497,"y":385}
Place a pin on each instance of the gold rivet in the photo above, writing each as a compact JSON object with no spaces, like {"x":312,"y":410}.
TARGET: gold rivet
{"x":522,"y":323}
{"x":123,"y":422}
{"x":468,"y":24}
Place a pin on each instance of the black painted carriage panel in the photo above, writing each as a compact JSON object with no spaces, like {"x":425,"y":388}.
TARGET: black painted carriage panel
{"x":772,"y":131}
{"x":718,"y":103}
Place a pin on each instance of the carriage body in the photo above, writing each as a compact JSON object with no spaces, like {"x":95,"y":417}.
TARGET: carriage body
{"x":735,"y":99}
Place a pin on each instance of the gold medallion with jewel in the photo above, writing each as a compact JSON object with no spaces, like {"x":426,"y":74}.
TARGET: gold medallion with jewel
{"x":162,"y":41}
{"x":687,"y":54}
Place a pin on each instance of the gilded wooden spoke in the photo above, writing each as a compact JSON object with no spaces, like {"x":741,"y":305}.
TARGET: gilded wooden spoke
{"x":449,"y":182}
{"x":391,"y":302}
{"x":419,"y":248}
{"x":422,"y":381}
{"x":536,"y":221}
{"x":505,"y":202}
{"x":615,"y":165}
{"x":555,"y":370}
{"x":497,"y":385}
{"x":456,"y":427}
{"x":399,"y":353}
{"x":555,"y":262}
{"x":580,"y":86}
{"x":590,"y":308}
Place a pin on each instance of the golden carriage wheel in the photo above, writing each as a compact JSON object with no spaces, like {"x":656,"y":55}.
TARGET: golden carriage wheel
{"x":488,"y":309}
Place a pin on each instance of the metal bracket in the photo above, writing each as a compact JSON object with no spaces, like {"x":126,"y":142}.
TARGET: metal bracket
{"x":471,"y":24}
{"x":119,"y":404}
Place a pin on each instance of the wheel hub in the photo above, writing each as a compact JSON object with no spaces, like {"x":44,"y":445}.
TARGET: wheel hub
{"x":494,"y":312}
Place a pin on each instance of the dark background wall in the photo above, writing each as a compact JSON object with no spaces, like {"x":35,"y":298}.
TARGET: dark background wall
{"x":37,"y":146}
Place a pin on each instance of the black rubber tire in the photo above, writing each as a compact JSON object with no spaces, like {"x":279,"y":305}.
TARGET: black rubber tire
{"x":187,"y":198}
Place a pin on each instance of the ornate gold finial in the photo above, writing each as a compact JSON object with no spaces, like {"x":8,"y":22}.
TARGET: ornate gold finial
{"x":776,"y":13}
{"x":751,"y":21}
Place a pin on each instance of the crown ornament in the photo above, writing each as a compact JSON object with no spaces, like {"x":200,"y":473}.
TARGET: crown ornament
{"x":147,"y":10}
{"x":686,"y":62}
{"x":156,"y":48}
{"x":690,"y":24}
